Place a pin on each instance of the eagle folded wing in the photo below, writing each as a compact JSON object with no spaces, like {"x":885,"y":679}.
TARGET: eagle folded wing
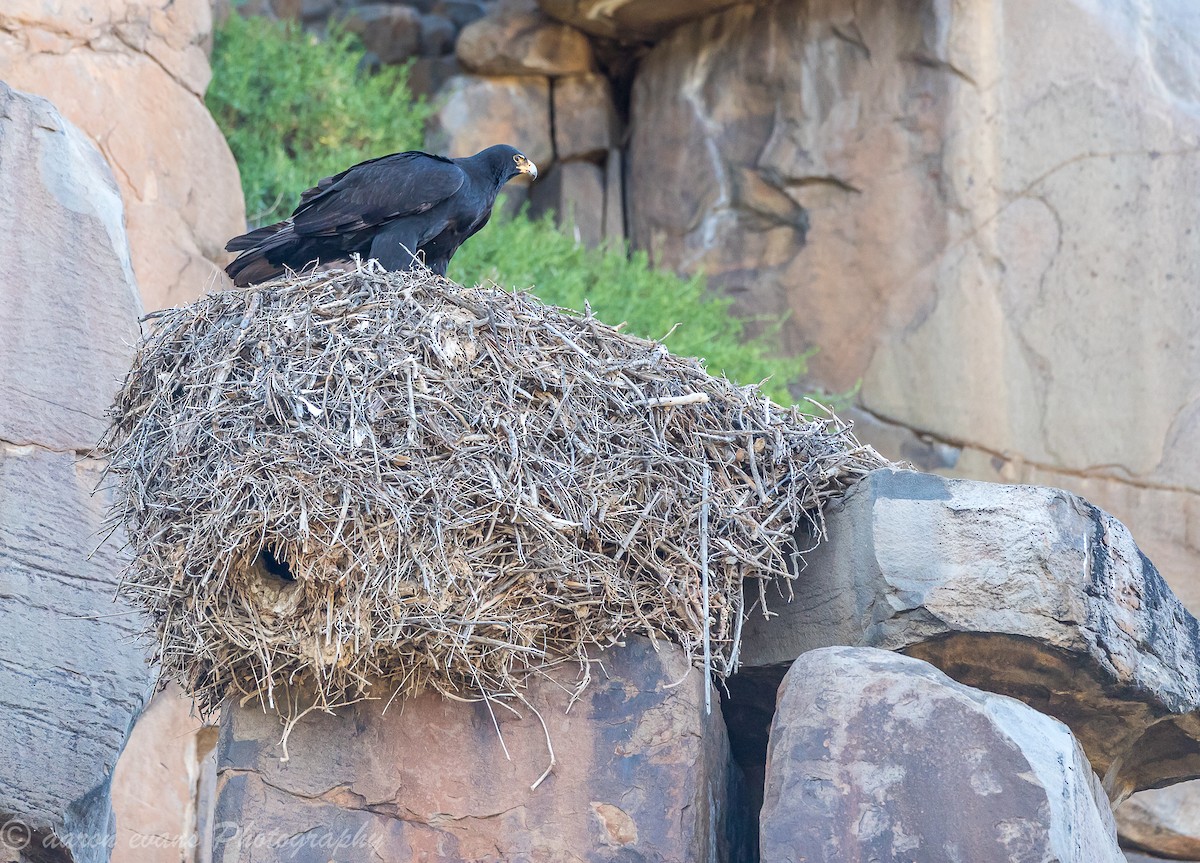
{"x":375,"y":192}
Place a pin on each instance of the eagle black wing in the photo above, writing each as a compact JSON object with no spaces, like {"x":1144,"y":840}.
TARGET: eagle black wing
{"x":342,"y":213}
{"x":375,"y":192}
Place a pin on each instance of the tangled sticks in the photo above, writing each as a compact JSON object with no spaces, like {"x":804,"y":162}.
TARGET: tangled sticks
{"x":370,"y":483}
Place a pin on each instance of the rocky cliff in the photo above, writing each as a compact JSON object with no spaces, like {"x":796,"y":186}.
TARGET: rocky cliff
{"x":983,"y":214}
{"x":983,"y":217}
{"x":72,"y":675}
{"x":132,"y":77}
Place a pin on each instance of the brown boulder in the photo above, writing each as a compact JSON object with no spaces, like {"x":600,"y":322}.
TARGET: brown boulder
{"x":575,"y":191}
{"x":877,"y":756}
{"x":161,"y":786}
{"x":1025,"y":591}
{"x":132,"y":77}
{"x":632,"y":20}
{"x":639,"y":774}
{"x":585,"y":119}
{"x":391,"y":33}
{"x":478,"y":112}
{"x":1163,"y":821}
{"x":517,"y":39}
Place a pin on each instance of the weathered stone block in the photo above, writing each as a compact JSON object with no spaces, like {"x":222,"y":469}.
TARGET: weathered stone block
{"x":614,"y":197}
{"x":585,"y":119}
{"x":877,"y":756}
{"x":632,"y":20}
{"x":427,"y":74}
{"x":437,"y":36}
{"x":517,"y":39}
{"x":1026,"y":591}
{"x":640,"y":774}
{"x":575,"y":191}
{"x":993,"y":235}
{"x":159,"y":785}
{"x":70,"y":304}
{"x":478,"y":112}
{"x":1164,"y":821}
{"x":391,"y":33}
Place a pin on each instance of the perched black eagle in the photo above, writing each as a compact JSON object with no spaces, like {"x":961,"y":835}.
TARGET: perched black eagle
{"x":397,"y":209}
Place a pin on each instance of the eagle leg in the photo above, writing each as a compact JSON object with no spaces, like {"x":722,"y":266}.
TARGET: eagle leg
{"x":396,"y":247}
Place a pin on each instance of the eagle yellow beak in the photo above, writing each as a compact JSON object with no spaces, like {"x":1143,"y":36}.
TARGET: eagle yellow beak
{"x":527,"y":167}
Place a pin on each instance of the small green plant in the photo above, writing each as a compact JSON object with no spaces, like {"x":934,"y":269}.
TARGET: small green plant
{"x":533,"y":254}
{"x":295,"y":109}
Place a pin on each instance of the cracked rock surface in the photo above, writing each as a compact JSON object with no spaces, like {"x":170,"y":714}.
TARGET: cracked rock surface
{"x":877,"y":756}
{"x":72,"y":676}
{"x":985,"y":214}
{"x":1025,"y":591}
{"x":640,"y":774}
{"x":132,"y":76}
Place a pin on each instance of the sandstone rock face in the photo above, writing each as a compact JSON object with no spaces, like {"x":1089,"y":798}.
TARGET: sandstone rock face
{"x":575,"y":191}
{"x":479,"y":112}
{"x":971,"y":209}
{"x":1029,"y":592}
{"x":72,"y":678}
{"x":1164,"y":821}
{"x":158,"y":787}
{"x":585,"y":119}
{"x":71,"y":306}
{"x":132,"y":76}
{"x":517,"y":39}
{"x":392,"y":33}
{"x":640,"y":774}
{"x":876,"y":756}
{"x":631,"y":20}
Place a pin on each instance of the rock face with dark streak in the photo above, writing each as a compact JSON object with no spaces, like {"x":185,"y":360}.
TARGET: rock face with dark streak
{"x":983,"y":214}
{"x":1026,"y":591}
{"x":640,"y":775}
{"x":877,"y":756}
{"x":72,"y":677}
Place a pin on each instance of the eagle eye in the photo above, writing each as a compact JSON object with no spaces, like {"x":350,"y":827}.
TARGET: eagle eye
{"x":517,"y":157}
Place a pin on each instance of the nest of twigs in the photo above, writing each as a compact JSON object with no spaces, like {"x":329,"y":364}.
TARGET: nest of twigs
{"x":370,"y":483}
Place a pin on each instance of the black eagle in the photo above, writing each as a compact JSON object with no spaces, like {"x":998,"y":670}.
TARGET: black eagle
{"x":398,"y":209}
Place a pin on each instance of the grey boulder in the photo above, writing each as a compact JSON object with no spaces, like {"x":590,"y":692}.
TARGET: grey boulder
{"x":1026,"y":591}
{"x":878,"y":756}
{"x":72,"y":675}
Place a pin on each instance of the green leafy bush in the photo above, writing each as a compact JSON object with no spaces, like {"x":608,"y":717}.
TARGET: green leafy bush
{"x":296,"y":109}
{"x":524,"y":254}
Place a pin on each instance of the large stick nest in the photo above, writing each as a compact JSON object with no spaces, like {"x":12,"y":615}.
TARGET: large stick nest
{"x":371,"y":483}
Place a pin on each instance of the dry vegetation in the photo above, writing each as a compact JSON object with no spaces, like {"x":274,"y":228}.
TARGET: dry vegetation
{"x":371,"y":483}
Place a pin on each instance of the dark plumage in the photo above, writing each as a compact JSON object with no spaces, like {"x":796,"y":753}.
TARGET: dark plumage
{"x":388,"y":208}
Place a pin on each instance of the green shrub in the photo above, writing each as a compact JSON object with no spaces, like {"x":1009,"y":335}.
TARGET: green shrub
{"x":524,"y":254}
{"x":296,"y":109}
